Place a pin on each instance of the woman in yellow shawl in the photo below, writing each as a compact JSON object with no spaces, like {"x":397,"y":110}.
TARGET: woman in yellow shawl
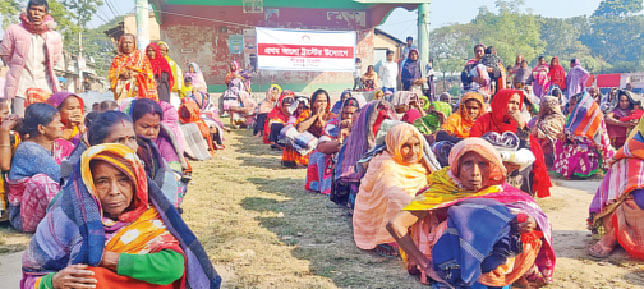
{"x":470,"y":108}
{"x":130,"y":73}
{"x":391,"y":181}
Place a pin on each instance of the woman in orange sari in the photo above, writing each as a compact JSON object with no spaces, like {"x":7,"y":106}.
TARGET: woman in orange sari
{"x":391,"y":181}
{"x":131,"y":74}
{"x":189,"y":113}
{"x":470,"y":108}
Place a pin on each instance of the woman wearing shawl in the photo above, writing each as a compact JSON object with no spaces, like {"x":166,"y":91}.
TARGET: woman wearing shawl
{"x":576,"y":78}
{"x":158,"y":149}
{"x":506,"y":117}
{"x":449,"y":225}
{"x":469,"y":109}
{"x":586,"y":148}
{"x":278,"y":115}
{"x":362,"y":139}
{"x":556,"y":74}
{"x":130,"y":73}
{"x":616,"y":211}
{"x":198,"y":82}
{"x":616,"y":128}
{"x":70,"y":107}
{"x":177,"y":74}
{"x":9,"y":141}
{"x":391,"y":181}
{"x":233,"y":74}
{"x":162,"y":72}
{"x":291,"y":158}
{"x":369,"y":79}
{"x":266,"y":106}
{"x":120,"y":227}
{"x":320,"y":169}
{"x":338,"y":104}
{"x":539,"y":78}
{"x":411,"y":77}
{"x":198,"y":138}
{"x":320,"y":114}
{"x":549,"y":125}
{"x":34,"y":178}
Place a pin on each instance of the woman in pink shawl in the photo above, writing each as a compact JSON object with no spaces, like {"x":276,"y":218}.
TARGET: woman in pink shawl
{"x":539,"y":77}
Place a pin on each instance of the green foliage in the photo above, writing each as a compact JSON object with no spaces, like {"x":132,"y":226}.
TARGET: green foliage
{"x":8,"y":11}
{"x":607,"y":44}
{"x":618,"y":7}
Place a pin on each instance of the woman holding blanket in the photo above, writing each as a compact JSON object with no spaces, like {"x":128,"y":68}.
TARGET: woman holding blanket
{"x":470,"y":229}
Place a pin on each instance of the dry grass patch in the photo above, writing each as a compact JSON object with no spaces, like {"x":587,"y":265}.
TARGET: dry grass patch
{"x":262,"y":230}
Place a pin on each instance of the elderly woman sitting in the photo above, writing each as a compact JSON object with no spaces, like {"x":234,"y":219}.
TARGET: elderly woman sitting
{"x":110,"y":229}
{"x":470,"y":228}
{"x":391,"y":181}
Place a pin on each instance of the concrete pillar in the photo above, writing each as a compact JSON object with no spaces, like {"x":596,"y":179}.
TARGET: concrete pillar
{"x":423,"y":32}
{"x":142,"y":15}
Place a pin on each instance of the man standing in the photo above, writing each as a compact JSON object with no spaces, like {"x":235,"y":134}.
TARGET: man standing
{"x":31,"y":49}
{"x":389,"y":73}
{"x":474,"y":76}
{"x":409,"y":47}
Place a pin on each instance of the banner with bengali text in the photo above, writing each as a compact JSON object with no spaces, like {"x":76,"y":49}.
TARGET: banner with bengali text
{"x":305,"y":50}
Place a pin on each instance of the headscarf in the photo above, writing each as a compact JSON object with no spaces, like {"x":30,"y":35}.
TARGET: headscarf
{"x":159,"y":64}
{"x":76,"y":215}
{"x":557,"y":74}
{"x":485,"y":150}
{"x":459,"y":124}
{"x":198,"y":80}
{"x":337,"y":107}
{"x":57,"y":99}
{"x":397,"y":136}
{"x":551,"y":121}
{"x":267,"y":104}
{"x":618,"y":111}
{"x":277,"y":114}
{"x":497,"y":120}
{"x":362,"y":138}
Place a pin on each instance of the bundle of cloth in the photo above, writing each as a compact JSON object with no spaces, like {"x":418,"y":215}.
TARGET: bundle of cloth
{"x":470,"y":229}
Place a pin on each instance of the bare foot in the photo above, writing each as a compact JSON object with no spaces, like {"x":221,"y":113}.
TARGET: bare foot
{"x":598,"y":250}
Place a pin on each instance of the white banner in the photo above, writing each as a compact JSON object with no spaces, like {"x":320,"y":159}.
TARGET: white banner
{"x":305,"y":50}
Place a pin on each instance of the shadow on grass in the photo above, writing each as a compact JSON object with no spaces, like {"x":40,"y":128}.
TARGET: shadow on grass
{"x":321,"y":232}
{"x":12,"y":240}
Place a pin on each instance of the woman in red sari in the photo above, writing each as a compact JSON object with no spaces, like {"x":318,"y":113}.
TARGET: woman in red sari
{"x":556,"y":74}
{"x":505,"y":116}
{"x":278,"y":114}
{"x":161,"y":70}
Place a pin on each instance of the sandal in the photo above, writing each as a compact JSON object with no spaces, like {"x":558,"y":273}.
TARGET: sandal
{"x":386,"y":250}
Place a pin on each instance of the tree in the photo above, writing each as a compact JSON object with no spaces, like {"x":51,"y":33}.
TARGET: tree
{"x":618,"y":7}
{"x":84,"y":10}
{"x":8,"y":11}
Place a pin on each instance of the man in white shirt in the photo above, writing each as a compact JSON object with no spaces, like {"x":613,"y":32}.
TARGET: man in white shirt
{"x":389,"y":73}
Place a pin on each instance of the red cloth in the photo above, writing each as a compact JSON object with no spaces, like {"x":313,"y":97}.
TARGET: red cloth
{"x":108,"y":279}
{"x":276,"y":114}
{"x":557,"y":74}
{"x":497,"y":120}
{"x":635,"y":115}
{"x":160,"y":64}
{"x":382,"y":115}
{"x":411,"y":116}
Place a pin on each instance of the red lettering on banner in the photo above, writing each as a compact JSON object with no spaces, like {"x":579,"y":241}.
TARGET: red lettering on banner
{"x":305,"y":51}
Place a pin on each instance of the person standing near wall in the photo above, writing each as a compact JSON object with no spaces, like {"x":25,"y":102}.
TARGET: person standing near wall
{"x":389,"y":73}
{"x":31,"y":49}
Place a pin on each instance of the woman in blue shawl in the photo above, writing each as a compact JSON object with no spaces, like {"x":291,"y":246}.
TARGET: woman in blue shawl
{"x":83,"y":226}
{"x":411,"y":73}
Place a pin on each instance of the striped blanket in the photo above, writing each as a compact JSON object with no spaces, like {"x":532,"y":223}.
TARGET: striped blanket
{"x":626,"y":175}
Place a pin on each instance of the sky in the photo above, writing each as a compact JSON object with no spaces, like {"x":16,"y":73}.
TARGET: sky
{"x":402,"y":23}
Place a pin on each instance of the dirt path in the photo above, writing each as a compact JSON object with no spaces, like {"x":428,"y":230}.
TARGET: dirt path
{"x":262,"y":230}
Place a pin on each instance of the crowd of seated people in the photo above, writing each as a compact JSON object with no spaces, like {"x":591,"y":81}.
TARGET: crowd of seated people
{"x":102,"y":189}
{"x":418,"y":176}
